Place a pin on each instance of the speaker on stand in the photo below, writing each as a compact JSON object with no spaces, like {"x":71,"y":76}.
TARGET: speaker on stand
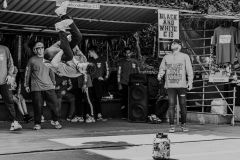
{"x":138,"y":98}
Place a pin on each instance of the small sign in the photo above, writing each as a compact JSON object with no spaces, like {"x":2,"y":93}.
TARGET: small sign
{"x":164,"y":47}
{"x":80,"y":5}
{"x":218,"y":78}
{"x":168,"y":24}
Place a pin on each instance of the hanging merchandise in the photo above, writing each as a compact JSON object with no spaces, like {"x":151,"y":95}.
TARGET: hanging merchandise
{"x":5,"y":4}
{"x":225,"y":39}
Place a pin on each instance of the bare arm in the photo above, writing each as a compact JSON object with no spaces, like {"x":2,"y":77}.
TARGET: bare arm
{"x":10,"y":66}
{"x":162,"y":69}
{"x":26,"y":46}
{"x":136,"y":36}
{"x":57,"y":59}
{"x":27,"y":74}
{"x":52,"y":77}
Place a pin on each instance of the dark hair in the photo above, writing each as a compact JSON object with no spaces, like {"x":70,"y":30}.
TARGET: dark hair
{"x":91,"y":69}
{"x":92,"y":48}
{"x":126,"y":49}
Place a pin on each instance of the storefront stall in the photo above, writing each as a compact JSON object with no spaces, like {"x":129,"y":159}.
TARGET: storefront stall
{"x":110,"y":24}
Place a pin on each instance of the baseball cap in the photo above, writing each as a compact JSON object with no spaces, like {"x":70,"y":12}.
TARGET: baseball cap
{"x":39,"y":45}
{"x":177,"y":41}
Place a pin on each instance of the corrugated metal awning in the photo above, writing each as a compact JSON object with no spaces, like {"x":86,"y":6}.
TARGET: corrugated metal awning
{"x":112,"y":18}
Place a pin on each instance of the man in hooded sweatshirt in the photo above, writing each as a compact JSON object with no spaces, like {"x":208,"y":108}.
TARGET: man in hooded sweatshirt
{"x":176,"y":66}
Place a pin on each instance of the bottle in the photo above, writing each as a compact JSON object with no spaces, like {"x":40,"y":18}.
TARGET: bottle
{"x":161,"y":147}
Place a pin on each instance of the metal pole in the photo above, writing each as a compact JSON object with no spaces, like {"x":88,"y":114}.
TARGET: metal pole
{"x":204,"y":51}
{"x":178,"y":109}
{"x":233,"y":110}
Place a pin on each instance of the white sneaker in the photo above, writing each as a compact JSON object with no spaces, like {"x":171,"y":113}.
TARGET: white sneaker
{"x":100,"y":118}
{"x":63,"y":25}
{"x":42,"y":119}
{"x":56,"y":124}
{"x":62,"y":9}
{"x":77,"y":119}
{"x":15,"y":126}
{"x":89,"y":119}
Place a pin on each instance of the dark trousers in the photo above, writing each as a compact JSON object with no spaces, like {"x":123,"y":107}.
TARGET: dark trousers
{"x":71,"y":99}
{"x":161,"y":107}
{"x":88,"y":99}
{"x":51,"y":99}
{"x":98,"y":94}
{"x":172,"y":95}
{"x":124,"y":100}
{"x":7,"y":96}
{"x":67,"y":46}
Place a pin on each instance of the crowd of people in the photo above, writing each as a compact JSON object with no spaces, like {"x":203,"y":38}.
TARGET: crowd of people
{"x":52,"y":72}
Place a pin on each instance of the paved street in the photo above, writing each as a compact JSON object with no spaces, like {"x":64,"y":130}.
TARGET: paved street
{"x":117,"y":139}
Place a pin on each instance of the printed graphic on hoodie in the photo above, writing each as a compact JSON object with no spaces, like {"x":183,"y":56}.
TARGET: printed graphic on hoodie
{"x":174,"y":75}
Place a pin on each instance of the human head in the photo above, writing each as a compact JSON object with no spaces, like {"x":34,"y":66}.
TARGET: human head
{"x":128,"y":52}
{"x":92,"y":51}
{"x":50,"y":53}
{"x":86,"y":68}
{"x":38,"y":49}
{"x":176,"y":45}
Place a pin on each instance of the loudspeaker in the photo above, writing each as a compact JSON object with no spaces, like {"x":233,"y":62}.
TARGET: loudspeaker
{"x":138,"y":98}
{"x":153,"y":86}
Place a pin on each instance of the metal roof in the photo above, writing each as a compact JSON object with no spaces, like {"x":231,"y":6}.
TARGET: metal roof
{"x":113,"y":17}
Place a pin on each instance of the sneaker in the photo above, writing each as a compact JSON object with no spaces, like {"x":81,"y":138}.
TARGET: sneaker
{"x":184,"y":128}
{"x":56,"y":124}
{"x":93,"y":120}
{"x":37,"y":127}
{"x":27,"y":118}
{"x":124,"y":118}
{"x":69,"y":119}
{"x":155,"y":119}
{"x":89,"y":119}
{"x":63,"y":25}
{"x":42,"y":119}
{"x":100,"y":118}
{"x":171,"y":129}
{"x":150,"y":119}
{"x":15,"y":126}
{"x":77,"y":119}
{"x":62,"y":9}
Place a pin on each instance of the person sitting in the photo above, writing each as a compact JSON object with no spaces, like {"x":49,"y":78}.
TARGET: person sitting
{"x":63,"y":86}
{"x":161,"y":109}
{"x":18,"y":98}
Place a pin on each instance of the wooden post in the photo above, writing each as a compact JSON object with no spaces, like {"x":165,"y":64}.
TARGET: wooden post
{"x":18,"y":51}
